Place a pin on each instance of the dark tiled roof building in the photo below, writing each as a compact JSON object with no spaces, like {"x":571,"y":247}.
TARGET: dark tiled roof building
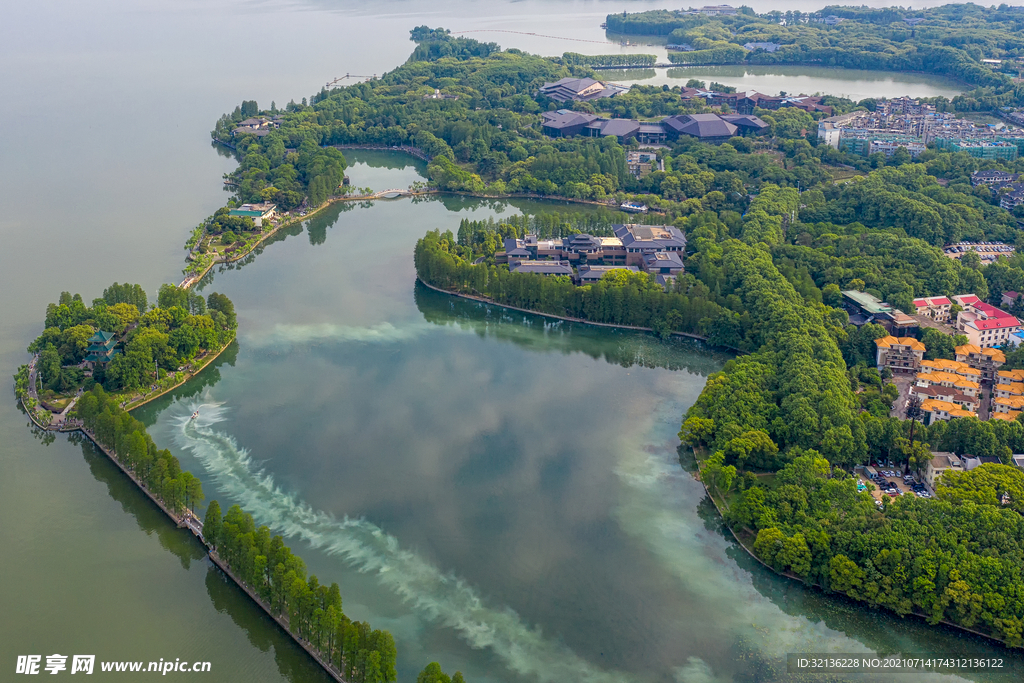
{"x":578,"y":90}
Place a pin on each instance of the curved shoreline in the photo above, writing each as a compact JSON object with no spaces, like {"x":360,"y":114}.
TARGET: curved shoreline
{"x":749,"y":551}
{"x":818,"y":586}
{"x":636,"y":328}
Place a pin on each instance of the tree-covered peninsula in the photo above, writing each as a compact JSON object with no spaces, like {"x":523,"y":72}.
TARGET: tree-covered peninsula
{"x":777,"y":226}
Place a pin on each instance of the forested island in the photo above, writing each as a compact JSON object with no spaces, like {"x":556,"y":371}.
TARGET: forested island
{"x":92,"y":374}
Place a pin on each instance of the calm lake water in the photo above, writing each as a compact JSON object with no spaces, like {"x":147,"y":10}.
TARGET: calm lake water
{"x":856,"y":84}
{"x":504,"y":494}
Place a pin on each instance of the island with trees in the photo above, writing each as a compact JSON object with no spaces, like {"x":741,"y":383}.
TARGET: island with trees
{"x":93,"y":364}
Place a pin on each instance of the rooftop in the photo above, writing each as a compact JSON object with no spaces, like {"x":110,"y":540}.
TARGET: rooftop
{"x":890,"y":341}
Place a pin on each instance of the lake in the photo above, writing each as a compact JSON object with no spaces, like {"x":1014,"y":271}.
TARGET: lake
{"x":856,"y":84}
{"x":502,"y":493}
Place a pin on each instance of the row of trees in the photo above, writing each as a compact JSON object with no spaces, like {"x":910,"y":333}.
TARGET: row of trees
{"x":313,"y":611}
{"x":156,"y":469}
{"x":576,"y":59}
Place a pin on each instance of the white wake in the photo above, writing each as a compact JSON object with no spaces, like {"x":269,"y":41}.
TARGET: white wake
{"x":433,"y":594}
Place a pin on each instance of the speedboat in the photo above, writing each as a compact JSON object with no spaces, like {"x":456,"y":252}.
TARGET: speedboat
{"x":195,"y":415}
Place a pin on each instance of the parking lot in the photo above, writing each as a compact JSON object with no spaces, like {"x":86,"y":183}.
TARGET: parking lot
{"x":889,"y":478}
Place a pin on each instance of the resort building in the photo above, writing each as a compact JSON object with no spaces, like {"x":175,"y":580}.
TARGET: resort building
{"x":579,"y":90}
{"x":983,"y":324}
{"x":664,"y":265}
{"x":101,"y":348}
{"x":706,"y":127}
{"x":638,"y":240}
{"x":627,"y":248}
{"x":257,"y":212}
{"x":939,"y":465}
{"x":865,"y":308}
{"x":746,"y":102}
{"x":542,"y":267}
{"x":715,"y":11}
{"x":565,"y":123}
{"x":937,"y":392}
{"x":712,"y":128}
{"x":950,"y":374}
{"x":935,"y":307}
{"x":588,"y":274}
{"x":899,"y":354}
{"x":987,"y":360}
{"x":992,"y":178}
{"x":642,"y":163}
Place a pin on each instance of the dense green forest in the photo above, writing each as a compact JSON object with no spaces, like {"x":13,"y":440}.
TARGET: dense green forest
{"x":952,"y":40}
{"x":181,"y":326}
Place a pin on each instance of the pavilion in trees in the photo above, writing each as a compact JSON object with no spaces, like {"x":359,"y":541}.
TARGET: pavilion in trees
{"x":101,"y":348}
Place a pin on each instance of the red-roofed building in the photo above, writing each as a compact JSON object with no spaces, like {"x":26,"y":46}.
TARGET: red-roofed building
{"x":935,"y":307}
{"x":1009,"y":298}
{"x":985,"y":325}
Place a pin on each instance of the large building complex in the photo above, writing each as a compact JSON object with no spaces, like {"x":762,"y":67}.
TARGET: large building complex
{"x":745,"y":102}
{"x":914,"y":125}
{"x":579,"y":90}
{"x":899,"y":354}
{"x":706,"y":127}
{"x":654,"y":249}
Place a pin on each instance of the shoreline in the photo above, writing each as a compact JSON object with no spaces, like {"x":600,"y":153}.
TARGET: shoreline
{"x":718,"y":509}
{"x":192,"y":280}
{"x":182,"y":523}
{"x":818,"y":586}
{"x":635,"y":328}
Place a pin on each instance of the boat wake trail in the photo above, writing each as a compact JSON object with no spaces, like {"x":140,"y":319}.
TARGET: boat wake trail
{"x":433,"y":594}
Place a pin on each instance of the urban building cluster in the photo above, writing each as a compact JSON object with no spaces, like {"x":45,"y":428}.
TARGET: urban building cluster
{"x":913,"y":125}
{"x":713,"y":128}
{"x":654,"y":249}
{"x":948,"y":388}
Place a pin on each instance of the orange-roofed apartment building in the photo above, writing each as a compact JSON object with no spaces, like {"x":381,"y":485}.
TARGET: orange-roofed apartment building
{"x":943,"y":410}
{"x":1008,"y":395}
{"x":984,"y":325}
{"x":987,"y":360}
{"x":949,"y":382}
{"x":935,"y":307}
{"x":899,"y":354}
